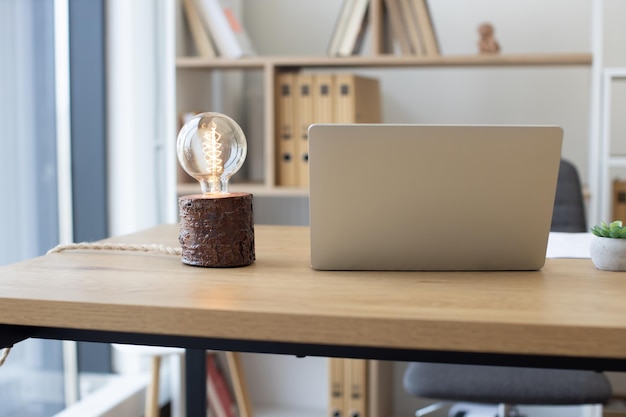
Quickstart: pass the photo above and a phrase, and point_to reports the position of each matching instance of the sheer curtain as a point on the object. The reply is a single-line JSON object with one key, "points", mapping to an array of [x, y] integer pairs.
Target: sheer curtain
{"points": [[37, 210], [31, 381]]}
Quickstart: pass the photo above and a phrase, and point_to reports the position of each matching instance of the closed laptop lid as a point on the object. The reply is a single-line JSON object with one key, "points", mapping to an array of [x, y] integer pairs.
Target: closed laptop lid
{"points": [[431, 197]]}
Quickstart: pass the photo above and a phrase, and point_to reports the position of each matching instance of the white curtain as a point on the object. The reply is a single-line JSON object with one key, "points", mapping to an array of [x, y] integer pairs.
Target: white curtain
{"points": [[28, 212], [31, 381], [34, 124]]}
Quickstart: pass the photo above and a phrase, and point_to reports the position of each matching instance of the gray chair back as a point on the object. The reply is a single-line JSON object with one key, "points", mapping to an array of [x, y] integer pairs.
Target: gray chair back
{"points": [[569, 206]]}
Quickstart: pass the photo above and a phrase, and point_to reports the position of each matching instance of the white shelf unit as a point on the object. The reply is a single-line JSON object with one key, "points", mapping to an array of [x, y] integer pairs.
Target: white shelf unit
{"points": [[601, 157], [607, 160]]}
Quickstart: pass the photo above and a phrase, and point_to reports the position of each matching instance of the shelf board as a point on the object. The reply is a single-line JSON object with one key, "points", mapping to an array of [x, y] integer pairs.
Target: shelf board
{"points": [[260, 190], [221, 63], [617, 161], [296, 62], [615, 72]]}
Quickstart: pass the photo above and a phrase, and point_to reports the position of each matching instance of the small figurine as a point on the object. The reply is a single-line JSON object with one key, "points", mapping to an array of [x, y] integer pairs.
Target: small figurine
{"points": [[487, 43]]}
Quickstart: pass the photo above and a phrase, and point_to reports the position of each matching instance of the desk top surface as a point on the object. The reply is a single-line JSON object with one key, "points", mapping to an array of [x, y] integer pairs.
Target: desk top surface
{"points": [[568, 308]]}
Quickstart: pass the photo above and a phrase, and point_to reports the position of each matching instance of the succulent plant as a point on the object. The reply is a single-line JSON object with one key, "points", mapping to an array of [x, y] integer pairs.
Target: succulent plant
{"points": [[613, 230]]}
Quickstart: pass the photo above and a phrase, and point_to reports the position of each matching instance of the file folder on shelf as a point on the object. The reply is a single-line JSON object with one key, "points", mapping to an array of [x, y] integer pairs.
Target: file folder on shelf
{"points": [[302, 99], [356, 387], [359, 388], [357, 99], [323, 102], [285, 142], [336, 387], [304, 117]]}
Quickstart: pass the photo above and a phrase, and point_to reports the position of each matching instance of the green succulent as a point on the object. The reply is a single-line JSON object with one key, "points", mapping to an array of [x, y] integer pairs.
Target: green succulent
{"points": [[613, 230]]}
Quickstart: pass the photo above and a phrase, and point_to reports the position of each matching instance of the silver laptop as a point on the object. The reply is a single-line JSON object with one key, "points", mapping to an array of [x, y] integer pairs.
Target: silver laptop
{"points": [[429, 197]]}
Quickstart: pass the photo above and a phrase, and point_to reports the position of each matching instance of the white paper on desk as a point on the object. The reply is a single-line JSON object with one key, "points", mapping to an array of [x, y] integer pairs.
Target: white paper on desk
{"points": [[568, 245]]}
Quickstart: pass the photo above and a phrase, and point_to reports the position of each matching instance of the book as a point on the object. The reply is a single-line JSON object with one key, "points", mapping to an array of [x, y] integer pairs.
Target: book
{"points": [[285, 142], [220, 399], [357, 99], [238, 382], [231, 39], [340, 27], [410, 21], [355, 29], [199, 33], [425, 24], [398, 29]]}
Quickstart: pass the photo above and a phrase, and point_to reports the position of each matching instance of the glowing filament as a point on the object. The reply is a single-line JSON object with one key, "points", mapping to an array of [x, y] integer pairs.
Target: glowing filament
{"points": [[212, 150]]}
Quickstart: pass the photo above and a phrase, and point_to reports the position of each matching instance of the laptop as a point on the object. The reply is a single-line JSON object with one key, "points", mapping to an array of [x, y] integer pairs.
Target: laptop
{"points": [[431, 197]]}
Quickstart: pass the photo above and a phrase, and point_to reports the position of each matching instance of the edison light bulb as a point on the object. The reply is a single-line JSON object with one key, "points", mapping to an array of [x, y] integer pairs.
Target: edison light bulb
{"points": [[211, 147]]}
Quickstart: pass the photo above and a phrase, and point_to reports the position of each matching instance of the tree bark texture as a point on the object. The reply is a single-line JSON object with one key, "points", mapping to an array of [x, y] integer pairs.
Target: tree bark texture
{"points": [[217, 230]]}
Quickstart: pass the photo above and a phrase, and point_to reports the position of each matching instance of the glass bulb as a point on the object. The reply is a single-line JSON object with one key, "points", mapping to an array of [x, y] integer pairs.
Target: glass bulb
{"points": [[211, 147]]}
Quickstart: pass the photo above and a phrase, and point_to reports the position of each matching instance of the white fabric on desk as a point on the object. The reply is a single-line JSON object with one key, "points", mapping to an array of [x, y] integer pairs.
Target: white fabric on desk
{"points": [[568, 245]]}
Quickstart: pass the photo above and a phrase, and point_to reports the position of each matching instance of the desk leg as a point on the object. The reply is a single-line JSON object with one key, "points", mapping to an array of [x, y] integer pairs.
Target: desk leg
{"points": [[195, 382]]}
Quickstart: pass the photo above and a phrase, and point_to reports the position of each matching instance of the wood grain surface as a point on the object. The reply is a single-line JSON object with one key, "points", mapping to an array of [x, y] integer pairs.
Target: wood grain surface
{"points": [[568, 308]]}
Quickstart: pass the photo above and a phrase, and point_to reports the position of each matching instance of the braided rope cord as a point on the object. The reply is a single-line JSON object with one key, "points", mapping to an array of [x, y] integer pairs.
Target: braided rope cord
{"points": [[117, 246]]}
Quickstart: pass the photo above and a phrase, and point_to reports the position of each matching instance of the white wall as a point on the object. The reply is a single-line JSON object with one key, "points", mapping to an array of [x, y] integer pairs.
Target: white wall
{"points": [[140, 86]]}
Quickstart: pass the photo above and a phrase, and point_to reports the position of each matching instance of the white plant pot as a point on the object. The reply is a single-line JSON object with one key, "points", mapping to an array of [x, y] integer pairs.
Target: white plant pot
{"points": [[608, 254]]}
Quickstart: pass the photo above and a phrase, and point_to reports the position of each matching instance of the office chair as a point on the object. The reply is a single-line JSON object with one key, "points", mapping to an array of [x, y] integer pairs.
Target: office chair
{"points": [[569, 207], [507, 387]]}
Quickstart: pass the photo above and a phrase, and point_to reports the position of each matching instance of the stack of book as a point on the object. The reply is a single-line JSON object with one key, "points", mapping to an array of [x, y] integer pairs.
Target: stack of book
{"points": [[227, 394], [359, 387], [410, 22], [350, 28], [412, 27], [306, 98], [215, 29]]}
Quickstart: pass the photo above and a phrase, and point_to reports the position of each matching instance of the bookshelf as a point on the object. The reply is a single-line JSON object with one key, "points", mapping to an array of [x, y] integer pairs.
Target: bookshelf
{"points": [[269, 67]]}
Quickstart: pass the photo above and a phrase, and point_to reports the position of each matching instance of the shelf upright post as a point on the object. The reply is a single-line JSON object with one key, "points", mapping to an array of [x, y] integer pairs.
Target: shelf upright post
{"points": [[597, 161], [269, 80]]}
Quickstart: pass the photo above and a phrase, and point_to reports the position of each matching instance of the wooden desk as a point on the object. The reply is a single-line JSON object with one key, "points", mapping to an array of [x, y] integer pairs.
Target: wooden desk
{"points": [[567, 315]]}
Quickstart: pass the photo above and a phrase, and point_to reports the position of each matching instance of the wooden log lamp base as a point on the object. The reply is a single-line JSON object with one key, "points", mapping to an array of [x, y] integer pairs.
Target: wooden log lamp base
{"points": [[216, 230]]}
